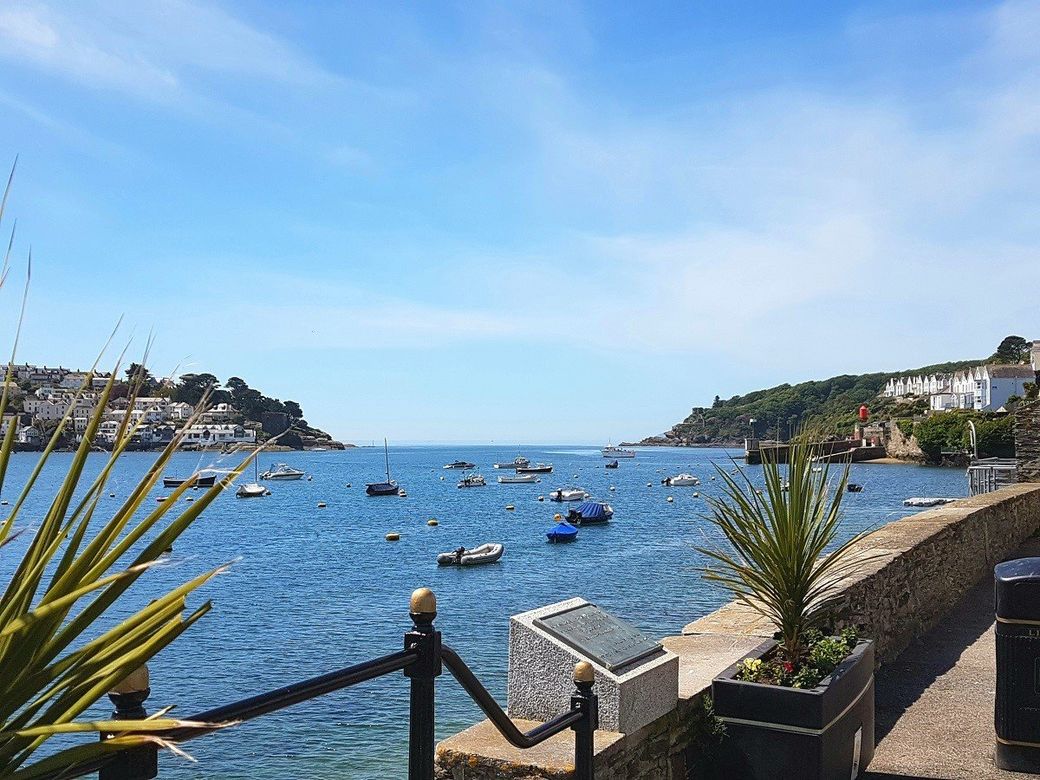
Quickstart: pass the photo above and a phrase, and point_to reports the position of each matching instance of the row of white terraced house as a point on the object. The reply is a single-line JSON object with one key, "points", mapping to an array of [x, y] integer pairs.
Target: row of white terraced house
{"points": [[984, 388]]}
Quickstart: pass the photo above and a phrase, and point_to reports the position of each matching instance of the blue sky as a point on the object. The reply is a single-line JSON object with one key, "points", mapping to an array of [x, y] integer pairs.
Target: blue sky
{"points": [[523, 221]]}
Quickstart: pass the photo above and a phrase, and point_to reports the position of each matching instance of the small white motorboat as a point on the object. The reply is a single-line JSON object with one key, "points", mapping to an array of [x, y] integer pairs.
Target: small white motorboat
{"points": [[485, 553], [282, 471], [472, 480], [681, 480], [520, 479], [568, 494]]}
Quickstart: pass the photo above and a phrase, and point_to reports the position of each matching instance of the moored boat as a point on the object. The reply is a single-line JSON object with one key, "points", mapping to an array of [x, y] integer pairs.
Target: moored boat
{"points": [[562, 532], [204, 478], [282, 471], [472, 480], [612, 465], [681, 480], [460, 464], [590, 513], [538, 468], [518, 462], [520, 479], [388, 488], [485, 553], [568, 494], [252, 490], [617, 452]]}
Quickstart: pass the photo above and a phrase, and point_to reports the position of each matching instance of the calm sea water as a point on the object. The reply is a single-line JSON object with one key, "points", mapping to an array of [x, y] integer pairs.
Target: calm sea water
{"points": [[313, 589]]}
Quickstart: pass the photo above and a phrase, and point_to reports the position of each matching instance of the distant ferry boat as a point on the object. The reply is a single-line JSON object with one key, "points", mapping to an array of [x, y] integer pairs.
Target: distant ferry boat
{"points": [[617, 452]]}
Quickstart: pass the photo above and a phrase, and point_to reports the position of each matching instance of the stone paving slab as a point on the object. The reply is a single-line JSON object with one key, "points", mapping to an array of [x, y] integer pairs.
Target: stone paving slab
{"points": [[934, 703]]}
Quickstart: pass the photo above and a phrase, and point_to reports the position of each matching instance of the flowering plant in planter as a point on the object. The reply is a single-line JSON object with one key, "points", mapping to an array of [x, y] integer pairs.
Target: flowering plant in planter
{"points": [[822, 656], [785, 561], [801, 708]]}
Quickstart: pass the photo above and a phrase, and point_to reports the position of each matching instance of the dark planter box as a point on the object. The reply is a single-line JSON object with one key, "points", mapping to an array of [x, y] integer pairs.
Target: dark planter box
{"points": [[776, 733]]}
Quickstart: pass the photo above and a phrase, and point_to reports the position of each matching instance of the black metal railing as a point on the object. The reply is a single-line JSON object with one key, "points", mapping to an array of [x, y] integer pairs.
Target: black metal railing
{"points": [[421, 660]]}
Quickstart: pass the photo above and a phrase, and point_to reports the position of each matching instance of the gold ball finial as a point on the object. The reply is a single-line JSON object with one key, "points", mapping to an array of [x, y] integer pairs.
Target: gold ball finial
{"points": [[423, 602], [583, 672], [135, 682]]}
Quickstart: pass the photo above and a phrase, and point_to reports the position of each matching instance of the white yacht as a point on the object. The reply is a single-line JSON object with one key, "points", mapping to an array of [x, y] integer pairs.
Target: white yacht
{"points": [[617, 452], [282, 471]]}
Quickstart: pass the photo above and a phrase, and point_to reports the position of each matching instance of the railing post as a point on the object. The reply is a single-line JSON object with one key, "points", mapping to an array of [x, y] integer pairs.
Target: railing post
{"points": [[587, 702], [426, 641], [140, 763]]}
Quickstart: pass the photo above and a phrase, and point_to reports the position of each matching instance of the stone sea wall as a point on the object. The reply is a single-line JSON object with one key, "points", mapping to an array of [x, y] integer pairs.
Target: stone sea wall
{"points": [[1027, 441], [916, 569]]}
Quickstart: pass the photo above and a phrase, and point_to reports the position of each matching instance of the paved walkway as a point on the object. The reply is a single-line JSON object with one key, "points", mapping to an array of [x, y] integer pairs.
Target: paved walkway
{"points": [[934, 704]]}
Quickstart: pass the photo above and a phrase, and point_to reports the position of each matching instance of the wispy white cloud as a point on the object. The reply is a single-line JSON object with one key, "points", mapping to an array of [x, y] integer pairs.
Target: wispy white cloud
{"points": [[152, 50], [798, 210]]}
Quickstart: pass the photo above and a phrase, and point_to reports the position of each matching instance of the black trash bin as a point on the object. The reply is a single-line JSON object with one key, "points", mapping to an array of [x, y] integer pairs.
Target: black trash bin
{"points": [[1017, 714]]}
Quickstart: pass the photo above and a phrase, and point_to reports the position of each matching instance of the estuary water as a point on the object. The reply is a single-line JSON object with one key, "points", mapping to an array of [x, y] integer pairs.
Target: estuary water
{"points": [[312, 590]]}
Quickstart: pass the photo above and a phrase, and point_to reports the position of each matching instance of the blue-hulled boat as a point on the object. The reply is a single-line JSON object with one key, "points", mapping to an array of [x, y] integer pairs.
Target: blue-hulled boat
{"points": [[562, 532], [590, 513]]}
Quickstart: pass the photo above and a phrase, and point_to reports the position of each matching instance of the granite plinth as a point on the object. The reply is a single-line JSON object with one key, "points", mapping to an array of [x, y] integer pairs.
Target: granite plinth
{"points": [[541, 669]]}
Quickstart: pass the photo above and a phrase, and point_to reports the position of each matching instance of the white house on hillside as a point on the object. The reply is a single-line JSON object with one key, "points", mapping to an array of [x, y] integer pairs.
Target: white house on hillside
{"points": [[984, 388], [999, 383], [221, 413]]}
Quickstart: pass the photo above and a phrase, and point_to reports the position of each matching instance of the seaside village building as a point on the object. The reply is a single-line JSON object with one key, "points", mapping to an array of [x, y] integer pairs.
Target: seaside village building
{"points": [[52, 391], [982, 388]]}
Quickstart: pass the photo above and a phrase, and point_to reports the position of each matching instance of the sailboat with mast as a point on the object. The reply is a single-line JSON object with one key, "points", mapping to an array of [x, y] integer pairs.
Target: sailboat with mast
{"points": [[388, 488], [254, 489]]}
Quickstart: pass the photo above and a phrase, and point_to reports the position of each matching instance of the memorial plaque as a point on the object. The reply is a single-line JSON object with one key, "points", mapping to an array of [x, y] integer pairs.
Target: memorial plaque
{"points": [[610, 642]]}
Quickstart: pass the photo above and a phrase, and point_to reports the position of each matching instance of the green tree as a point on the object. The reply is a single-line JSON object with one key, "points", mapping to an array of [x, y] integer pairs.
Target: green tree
{"points": [[996, 436], [293, 410], [1013, 349], [939, 432], [191, 387], [139, 377]]}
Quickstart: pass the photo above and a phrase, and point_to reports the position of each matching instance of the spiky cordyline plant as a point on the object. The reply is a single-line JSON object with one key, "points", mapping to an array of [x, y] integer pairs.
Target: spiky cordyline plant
{"points": [[776, 563], [55, 659]]}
